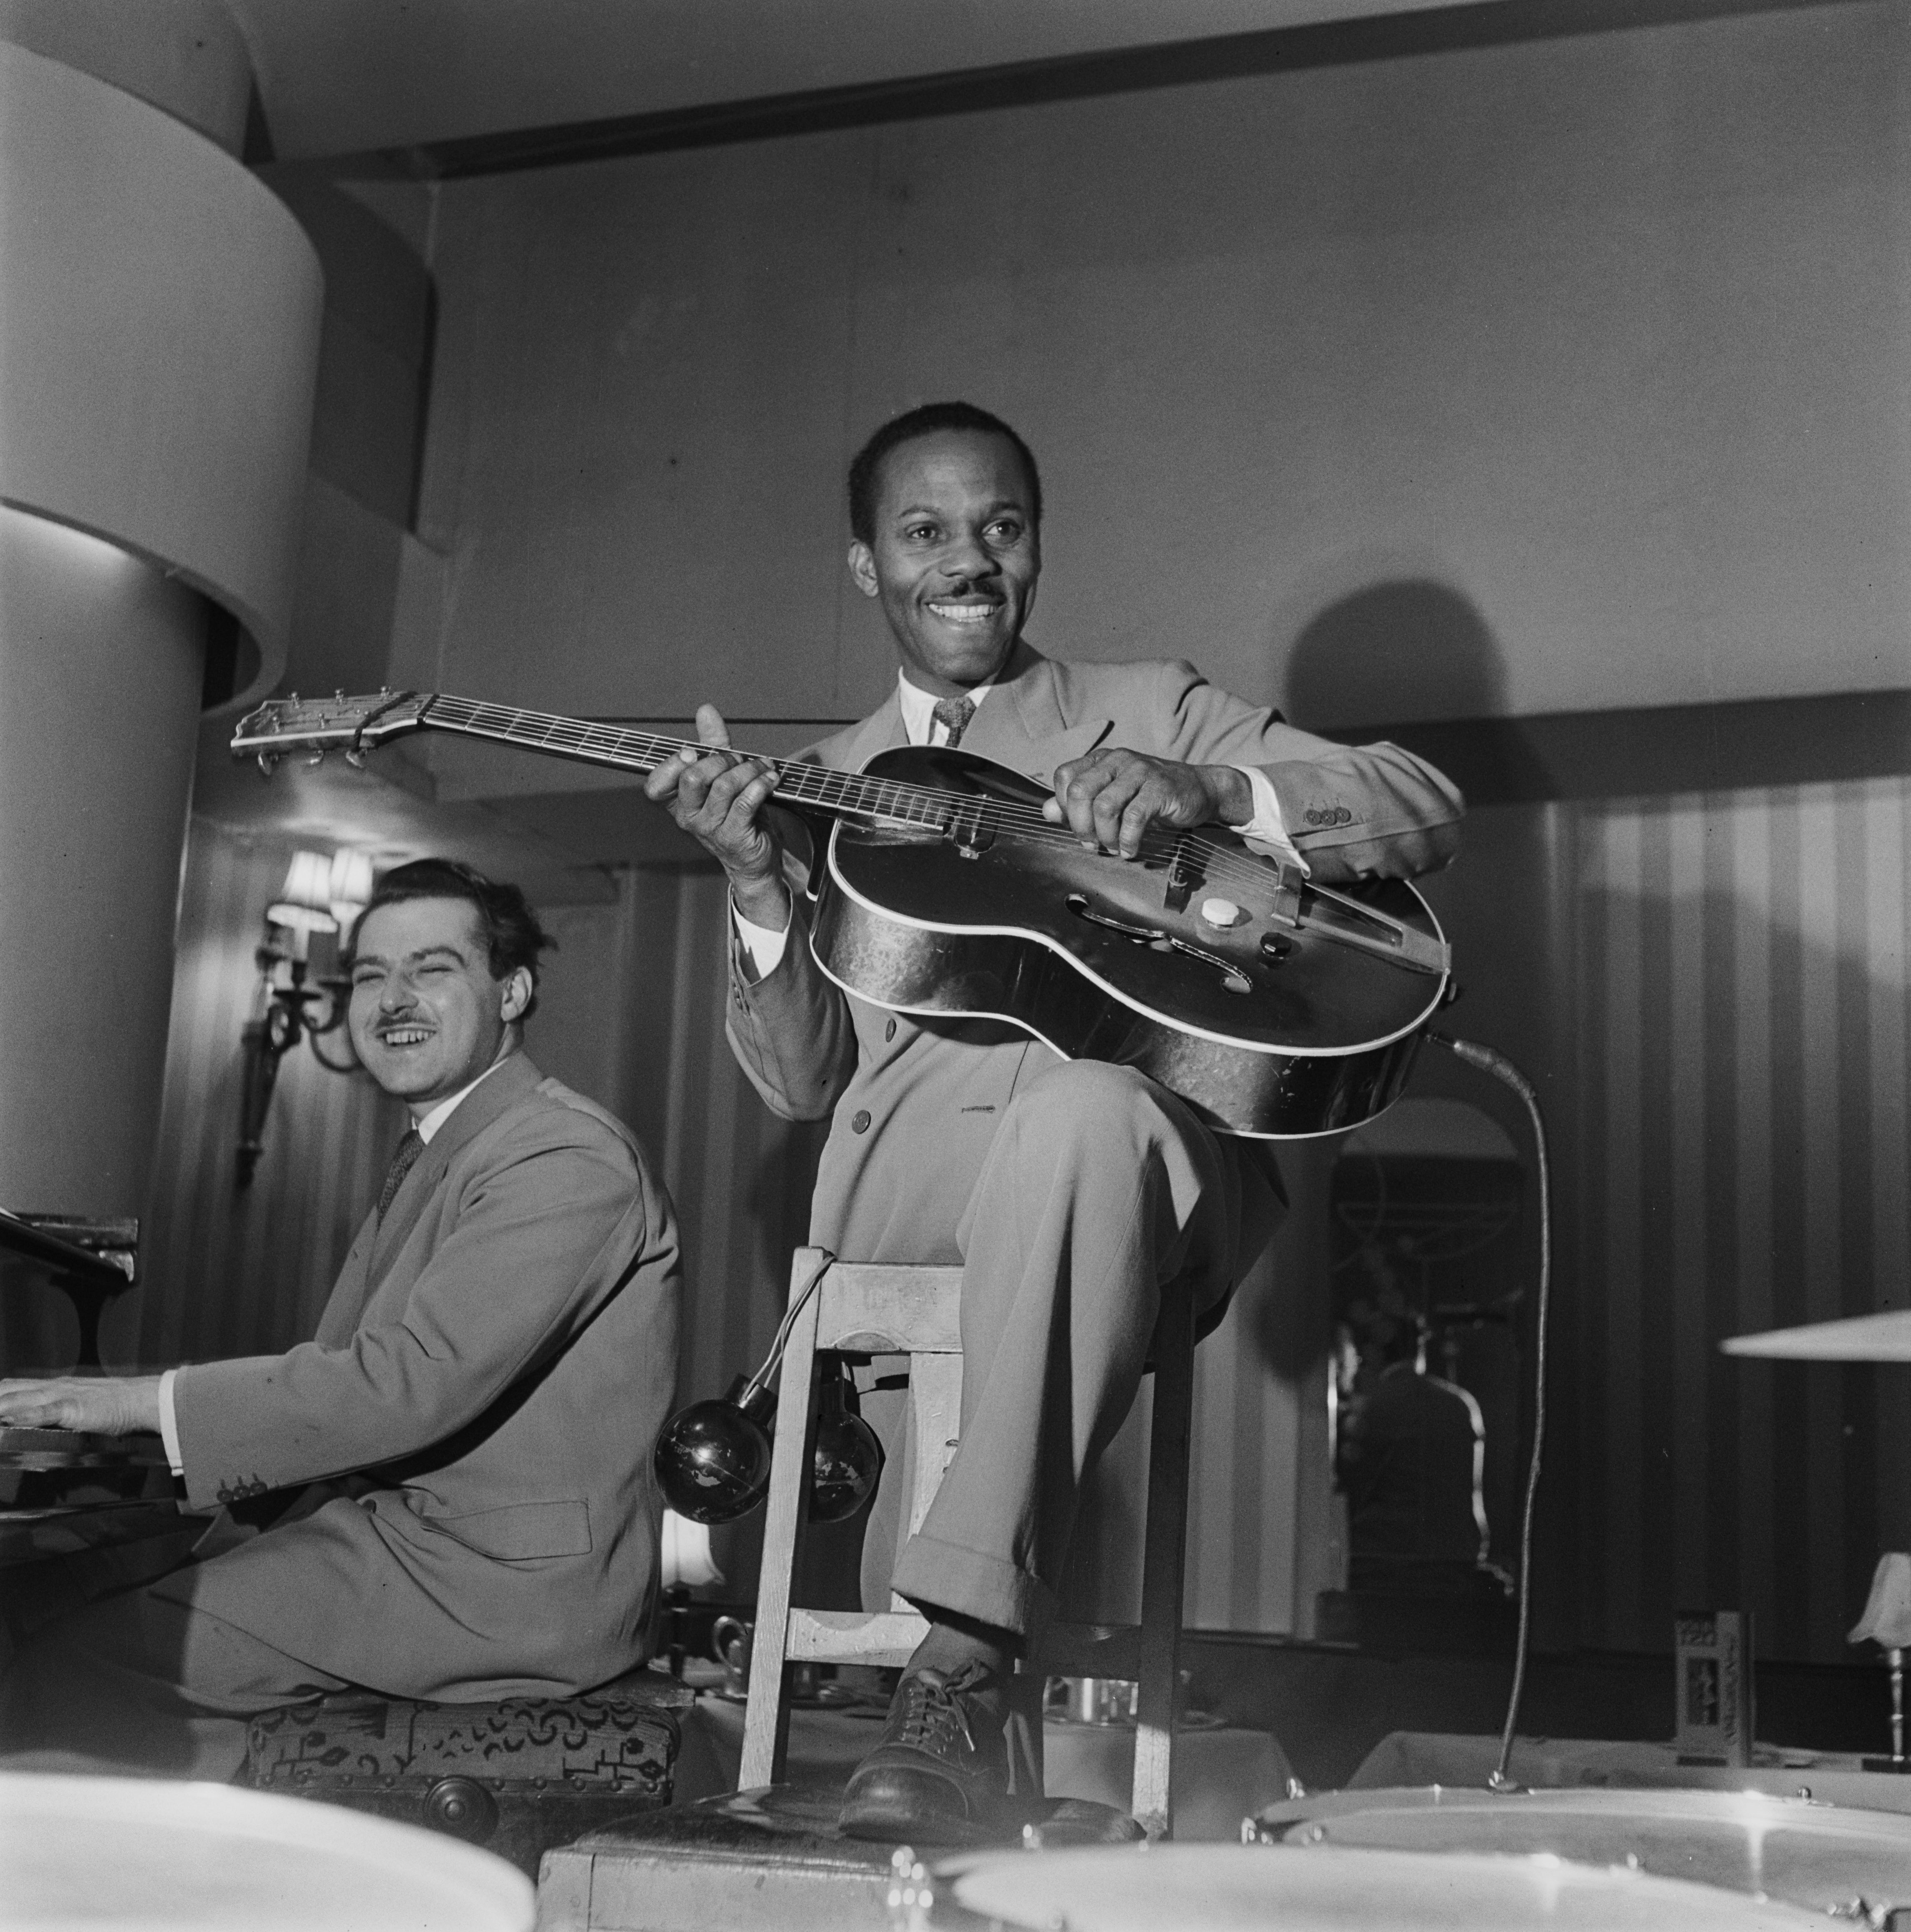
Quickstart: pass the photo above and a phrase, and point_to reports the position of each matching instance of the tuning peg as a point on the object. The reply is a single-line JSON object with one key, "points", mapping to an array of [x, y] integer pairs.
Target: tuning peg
{"points": [[317, 758], [266, 762], [355, 759]]}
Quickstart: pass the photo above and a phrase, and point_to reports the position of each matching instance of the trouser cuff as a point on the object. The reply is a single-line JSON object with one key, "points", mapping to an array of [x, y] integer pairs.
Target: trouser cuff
{"points": [[949, 1576]]}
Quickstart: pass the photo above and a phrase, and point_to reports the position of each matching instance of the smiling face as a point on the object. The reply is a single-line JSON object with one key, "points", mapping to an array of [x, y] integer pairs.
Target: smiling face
{"points": [[954, 558], [427, 1017]]}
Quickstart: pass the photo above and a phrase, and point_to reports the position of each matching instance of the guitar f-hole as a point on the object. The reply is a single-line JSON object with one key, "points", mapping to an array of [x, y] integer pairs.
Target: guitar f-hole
{"points": [[1142, 935], [1233, 979]]}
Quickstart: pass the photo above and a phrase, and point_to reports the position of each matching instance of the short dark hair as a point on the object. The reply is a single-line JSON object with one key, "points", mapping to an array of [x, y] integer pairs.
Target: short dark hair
{"points": [[512, 936], [866, 466]]}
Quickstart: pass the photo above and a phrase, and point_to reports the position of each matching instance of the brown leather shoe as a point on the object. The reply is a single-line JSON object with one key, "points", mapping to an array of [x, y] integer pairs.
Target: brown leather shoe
{"points": [[942, 1773]]}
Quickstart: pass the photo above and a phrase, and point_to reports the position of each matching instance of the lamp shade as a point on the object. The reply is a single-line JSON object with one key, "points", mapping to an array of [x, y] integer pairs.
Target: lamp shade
{"points": [[686, 1552], [1887, 1618], [305, 901], [350, 886]]}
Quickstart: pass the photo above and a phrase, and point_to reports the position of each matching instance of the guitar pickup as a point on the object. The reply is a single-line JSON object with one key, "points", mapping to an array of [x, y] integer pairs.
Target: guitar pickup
{"points": [[970, 833]]}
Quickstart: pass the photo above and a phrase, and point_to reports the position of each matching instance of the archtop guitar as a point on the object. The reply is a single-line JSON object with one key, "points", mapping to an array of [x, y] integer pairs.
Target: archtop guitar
{"points": [[1275, 1007]]}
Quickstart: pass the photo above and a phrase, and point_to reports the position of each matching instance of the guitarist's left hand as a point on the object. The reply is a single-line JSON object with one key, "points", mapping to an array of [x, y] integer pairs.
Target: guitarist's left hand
{"points": [[1110, 798]]}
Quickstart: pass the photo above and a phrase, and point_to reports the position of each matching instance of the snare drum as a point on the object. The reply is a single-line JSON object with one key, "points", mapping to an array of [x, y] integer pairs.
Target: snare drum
{"points": [[1821, 1856], [1253, 1889], [110, 1854]]}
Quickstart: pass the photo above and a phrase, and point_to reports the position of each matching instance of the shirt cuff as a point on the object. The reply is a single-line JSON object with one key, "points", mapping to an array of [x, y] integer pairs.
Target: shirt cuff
{"points": [[1268, 827], [168, 1422], [763, 948]]}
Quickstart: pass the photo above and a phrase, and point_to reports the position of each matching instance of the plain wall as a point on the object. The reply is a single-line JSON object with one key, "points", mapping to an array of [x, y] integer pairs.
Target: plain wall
{"points": [[1546, 376]]}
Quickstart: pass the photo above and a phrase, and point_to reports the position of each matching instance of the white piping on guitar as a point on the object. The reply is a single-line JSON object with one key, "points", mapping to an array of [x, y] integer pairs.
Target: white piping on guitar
{"points": [[1087, 972]]}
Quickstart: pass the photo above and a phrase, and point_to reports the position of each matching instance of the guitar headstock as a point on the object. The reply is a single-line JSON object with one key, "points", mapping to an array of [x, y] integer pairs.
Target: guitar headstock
{"points": [[318, 725]]}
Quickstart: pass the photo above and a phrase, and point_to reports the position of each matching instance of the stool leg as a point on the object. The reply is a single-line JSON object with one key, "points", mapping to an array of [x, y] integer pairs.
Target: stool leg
{"points": [[1164, 1559], [766, 1716], [935, 1424]]}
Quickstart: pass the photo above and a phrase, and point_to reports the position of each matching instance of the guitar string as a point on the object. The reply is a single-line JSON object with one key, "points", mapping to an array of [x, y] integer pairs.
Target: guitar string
{"points": [[889, 798], [886, 798], [804, 782]]}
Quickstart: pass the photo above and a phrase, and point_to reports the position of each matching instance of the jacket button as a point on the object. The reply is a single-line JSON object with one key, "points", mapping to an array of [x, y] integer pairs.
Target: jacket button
{"points": [[860, 1122], [888, 1031], [1343, 816]]}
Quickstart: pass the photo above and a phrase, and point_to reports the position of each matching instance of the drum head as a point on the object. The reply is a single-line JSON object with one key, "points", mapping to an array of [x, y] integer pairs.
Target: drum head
{"points": [[1818, 1856], [1251, 1889], [112, 1854]]}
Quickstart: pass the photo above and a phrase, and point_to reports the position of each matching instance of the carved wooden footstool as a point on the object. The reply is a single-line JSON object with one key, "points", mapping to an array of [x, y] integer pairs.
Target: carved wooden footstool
{"points": [[516, 1777]]}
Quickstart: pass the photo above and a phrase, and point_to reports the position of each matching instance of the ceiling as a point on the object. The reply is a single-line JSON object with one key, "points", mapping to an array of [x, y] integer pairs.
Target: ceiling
{"points": [[339, 77]]}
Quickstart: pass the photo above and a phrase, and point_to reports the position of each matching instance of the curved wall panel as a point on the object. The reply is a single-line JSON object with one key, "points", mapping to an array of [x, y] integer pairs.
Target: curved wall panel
{"points": [[159, 330], [185, 56], [100, 662]]}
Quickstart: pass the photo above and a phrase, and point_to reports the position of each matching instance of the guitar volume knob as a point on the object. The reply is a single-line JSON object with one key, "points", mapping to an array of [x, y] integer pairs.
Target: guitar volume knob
{"points": [[1220, 912]]}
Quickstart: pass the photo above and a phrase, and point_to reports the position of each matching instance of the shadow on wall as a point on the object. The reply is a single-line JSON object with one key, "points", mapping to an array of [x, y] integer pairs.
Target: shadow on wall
{"points": [[1395, 653], [1414, 652]]}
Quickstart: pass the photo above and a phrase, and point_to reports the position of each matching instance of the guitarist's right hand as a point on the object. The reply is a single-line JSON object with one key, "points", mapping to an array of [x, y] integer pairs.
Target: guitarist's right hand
{"points": [[718, 796]]}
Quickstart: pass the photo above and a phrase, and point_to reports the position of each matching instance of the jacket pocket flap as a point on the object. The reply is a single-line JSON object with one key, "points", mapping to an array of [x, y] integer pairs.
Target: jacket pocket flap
{"points": [[520, 1530]]}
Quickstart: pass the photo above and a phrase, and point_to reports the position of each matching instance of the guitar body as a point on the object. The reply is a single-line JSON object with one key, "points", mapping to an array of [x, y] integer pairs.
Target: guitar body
{"points": [[1266, 1028]]}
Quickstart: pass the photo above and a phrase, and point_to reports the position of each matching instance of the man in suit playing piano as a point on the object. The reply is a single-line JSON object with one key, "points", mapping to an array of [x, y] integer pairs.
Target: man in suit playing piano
{"points": [[455, 1472], [1070, 1193]]}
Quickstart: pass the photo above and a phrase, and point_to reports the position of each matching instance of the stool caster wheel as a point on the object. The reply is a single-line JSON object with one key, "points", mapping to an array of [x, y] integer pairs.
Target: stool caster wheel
{"points": [[462, 1808]]}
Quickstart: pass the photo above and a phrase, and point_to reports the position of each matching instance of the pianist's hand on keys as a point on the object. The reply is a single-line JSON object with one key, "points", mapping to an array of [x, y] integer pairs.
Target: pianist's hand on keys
{"points": [[102, 1405]]}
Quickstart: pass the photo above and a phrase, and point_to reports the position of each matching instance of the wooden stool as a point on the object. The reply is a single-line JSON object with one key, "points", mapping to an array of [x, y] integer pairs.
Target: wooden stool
{"points": [[862, 1309]]}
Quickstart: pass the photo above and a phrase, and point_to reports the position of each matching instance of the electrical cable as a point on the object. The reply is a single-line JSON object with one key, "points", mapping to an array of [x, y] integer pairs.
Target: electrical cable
{"points": [[1503, 1070], [760, 1380]]}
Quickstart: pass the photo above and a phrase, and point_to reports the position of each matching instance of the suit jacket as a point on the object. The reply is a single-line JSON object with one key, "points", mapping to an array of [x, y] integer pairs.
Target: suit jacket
{"points": [[916, 1101], [495, 1362]]}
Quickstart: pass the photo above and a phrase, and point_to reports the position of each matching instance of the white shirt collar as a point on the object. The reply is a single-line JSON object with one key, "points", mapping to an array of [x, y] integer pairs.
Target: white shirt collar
{"points": [[918, 708], [440, 1114]]}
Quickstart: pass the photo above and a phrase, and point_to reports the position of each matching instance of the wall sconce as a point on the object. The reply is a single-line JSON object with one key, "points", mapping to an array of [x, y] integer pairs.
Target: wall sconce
{"points": [[299, 975]]}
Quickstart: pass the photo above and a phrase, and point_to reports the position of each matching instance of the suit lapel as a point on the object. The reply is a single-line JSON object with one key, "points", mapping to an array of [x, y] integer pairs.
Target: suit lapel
{"points": [[490, 1097], [882, 731], [1022, 724]]}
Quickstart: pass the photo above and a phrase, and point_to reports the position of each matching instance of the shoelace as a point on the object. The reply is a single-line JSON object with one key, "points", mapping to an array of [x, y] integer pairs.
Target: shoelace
{"points": [[932, 1704]]}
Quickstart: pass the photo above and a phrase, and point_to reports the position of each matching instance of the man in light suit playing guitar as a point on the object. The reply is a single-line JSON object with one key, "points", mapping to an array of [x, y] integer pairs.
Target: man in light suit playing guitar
{"points": [[1072, 1193]]}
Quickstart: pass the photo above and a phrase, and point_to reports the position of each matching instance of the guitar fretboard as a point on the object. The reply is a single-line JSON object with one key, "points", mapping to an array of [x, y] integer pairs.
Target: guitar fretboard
{"points": [[839, 794]]}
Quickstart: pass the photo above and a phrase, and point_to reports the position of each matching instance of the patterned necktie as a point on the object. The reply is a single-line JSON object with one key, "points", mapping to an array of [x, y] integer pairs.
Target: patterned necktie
{"points": [[409, 1148], [953, 715]]}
